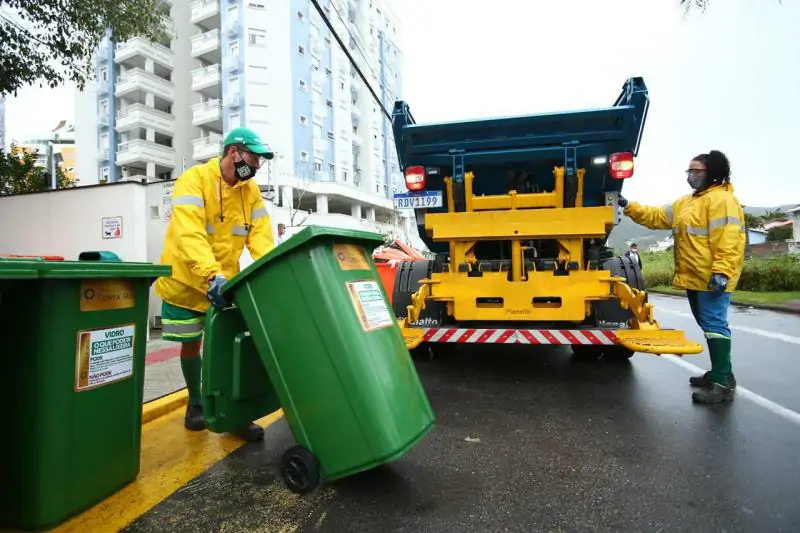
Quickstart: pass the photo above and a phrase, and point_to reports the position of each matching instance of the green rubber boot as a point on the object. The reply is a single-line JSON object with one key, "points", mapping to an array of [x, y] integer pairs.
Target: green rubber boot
{"points": [[721, 383]]}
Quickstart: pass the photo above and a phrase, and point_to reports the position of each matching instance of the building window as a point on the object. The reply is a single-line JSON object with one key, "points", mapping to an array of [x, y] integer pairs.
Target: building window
{"points": [[105, 172], [329, 103], [301, 50], [328, 72], [304, 157], [300, 15], [257, 37], [318, 165], [344, 176], [234, 120], [331, 137], [256, 4], [303, 120], [103, 74], [103, 111], [233, 49], [341, 83], [302, 85], [332, 171]]}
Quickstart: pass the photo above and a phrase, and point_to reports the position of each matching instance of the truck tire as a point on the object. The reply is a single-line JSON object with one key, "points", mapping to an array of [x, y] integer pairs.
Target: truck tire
{"points": [[609, 314]]}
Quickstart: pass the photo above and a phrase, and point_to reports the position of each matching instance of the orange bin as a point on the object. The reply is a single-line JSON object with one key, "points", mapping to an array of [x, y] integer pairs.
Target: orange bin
{"points": [[388, 273]]}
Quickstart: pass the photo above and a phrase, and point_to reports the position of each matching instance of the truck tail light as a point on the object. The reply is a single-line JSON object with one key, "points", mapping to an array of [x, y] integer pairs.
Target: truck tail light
{"points": [[415, 178], [621, 165]]}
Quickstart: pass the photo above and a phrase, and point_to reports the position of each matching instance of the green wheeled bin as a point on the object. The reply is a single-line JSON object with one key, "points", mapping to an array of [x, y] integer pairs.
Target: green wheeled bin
{"points": [[319, 320], [72, 365]]}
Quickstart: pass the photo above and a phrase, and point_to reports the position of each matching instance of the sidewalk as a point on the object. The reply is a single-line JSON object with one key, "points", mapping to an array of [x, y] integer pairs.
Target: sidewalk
{"points": [[162, 373]]}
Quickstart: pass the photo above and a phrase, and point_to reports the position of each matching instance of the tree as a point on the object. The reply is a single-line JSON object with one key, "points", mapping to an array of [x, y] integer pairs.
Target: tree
{"points": [[52, 41], [19, 173]]}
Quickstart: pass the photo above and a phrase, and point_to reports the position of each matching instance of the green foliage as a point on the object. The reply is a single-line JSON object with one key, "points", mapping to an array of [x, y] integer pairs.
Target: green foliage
{"points": [[52, 41], [780, 234], [760, 274], [20, 174]]}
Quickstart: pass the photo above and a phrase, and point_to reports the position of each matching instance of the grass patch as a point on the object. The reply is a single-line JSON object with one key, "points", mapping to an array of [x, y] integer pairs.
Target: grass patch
{"points": [[745, 297]]}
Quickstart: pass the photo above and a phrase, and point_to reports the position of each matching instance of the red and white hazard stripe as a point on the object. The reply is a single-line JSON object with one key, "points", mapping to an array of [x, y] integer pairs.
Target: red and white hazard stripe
{"points": [[521, 336]]}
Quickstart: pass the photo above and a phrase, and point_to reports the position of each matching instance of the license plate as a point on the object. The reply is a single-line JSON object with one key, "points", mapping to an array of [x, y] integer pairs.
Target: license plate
{"points": [[418, 200]]}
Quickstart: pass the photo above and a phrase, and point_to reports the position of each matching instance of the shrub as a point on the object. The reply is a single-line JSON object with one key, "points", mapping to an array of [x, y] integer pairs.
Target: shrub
{"points": [[760, 274]]}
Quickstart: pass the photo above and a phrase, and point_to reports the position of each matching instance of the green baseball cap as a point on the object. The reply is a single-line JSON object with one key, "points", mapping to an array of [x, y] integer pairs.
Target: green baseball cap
{"points": [[250, 140]]}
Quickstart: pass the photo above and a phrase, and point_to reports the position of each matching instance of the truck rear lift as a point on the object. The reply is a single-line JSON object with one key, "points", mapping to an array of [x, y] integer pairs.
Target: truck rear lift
{"points": [[518, 211]]}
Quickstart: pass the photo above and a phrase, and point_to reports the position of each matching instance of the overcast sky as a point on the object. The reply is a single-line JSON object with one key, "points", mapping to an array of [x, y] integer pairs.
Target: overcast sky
{"points": [[726, 80]]}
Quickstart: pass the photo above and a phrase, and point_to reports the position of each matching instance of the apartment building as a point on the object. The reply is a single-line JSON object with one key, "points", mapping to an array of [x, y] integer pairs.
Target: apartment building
{"points": [[273, 66]]}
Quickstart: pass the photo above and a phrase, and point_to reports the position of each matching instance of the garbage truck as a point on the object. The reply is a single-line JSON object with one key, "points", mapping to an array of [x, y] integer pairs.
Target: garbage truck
{"points": [[518, 211]]}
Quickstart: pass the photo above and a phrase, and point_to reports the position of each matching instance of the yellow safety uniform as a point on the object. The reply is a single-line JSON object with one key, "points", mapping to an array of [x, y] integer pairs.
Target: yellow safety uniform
{"points": [[211, 223], [709, 232]]}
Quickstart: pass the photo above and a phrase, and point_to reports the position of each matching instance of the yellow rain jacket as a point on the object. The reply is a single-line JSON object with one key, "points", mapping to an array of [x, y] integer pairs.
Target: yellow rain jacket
{"points": [[709, 233], [208, 232]]}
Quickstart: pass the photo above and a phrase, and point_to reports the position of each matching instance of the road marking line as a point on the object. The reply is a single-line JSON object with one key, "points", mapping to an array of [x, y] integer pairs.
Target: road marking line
{"points": [[746, 329], [784, 412]]}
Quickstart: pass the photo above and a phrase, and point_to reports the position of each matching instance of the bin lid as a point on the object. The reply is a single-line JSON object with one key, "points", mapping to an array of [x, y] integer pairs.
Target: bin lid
{"points": [[33, 269], [301, 238]]}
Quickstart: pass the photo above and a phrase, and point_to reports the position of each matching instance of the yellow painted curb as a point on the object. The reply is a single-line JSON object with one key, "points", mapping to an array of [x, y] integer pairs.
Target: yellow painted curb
{"points": [[163, 406]]}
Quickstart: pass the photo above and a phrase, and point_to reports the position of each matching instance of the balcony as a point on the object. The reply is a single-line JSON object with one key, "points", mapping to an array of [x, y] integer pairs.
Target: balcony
{"points": [[135, 52], [207, 81], [206, 46], [142, 116], [208, 114], [205, 148], [205, 13], [136, 82], [141, 151]]}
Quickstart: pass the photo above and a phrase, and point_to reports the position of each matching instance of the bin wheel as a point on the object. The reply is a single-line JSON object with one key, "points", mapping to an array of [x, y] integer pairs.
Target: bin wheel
{"points": [[300, 470]]}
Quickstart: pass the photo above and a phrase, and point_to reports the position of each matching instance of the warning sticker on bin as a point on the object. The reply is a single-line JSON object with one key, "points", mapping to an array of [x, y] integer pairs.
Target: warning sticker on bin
{"points": [[370, 305], [107, 294], [104, 356], [350, 257]]}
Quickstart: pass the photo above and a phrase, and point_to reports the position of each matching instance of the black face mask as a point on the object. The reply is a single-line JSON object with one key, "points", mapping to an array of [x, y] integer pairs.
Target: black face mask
{"points": [[243, 170]]}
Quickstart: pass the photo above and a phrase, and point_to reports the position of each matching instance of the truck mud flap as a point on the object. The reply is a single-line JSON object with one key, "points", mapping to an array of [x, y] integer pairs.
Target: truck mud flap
{"points": [[609, 313], [658, 342], [409, 274]]}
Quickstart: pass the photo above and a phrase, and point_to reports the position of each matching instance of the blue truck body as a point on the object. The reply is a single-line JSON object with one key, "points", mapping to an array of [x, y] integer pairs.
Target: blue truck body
{"points": [[520, 152]]}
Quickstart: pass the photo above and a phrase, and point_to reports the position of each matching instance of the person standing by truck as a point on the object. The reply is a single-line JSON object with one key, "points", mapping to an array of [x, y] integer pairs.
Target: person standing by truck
{"points": [[708, 226], [217, 210]]}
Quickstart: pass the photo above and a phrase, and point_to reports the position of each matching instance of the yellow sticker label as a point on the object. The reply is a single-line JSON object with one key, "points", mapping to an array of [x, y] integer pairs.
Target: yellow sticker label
{"points": [[106, 294], [350, 257], [370, 305]]}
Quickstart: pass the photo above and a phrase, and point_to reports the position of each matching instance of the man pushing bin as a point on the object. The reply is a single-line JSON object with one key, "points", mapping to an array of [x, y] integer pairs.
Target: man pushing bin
{"points": [[217, 210]]}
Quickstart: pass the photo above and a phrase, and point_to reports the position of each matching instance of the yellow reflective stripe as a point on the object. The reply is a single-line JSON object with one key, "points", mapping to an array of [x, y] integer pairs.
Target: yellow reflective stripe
{"points": [[258, 213], [693, 230], [196, 201], [670, 215], [182, 327], [241, 231], [709, 335], [210, 229], [723, 221], [170, 335]]}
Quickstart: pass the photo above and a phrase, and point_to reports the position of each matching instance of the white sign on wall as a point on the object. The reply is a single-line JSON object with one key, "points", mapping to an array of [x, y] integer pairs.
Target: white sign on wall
{"points": [[167, 201], [112, 227]]}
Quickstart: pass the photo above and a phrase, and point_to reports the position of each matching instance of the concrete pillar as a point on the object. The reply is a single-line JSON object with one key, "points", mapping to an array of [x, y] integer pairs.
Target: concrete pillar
{"points": [[371, 214], [150, 135], [322, 204], [355, 211], [149, 65], [151, 169], [287, 197], [150, 100]]}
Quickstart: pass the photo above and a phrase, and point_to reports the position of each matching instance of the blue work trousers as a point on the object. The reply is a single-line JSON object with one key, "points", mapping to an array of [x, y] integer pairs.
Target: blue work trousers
{"points": [[710, 310]]}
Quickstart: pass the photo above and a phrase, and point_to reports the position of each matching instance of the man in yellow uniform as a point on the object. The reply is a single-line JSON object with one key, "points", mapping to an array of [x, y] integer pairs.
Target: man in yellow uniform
{"points": [[217, 210]]}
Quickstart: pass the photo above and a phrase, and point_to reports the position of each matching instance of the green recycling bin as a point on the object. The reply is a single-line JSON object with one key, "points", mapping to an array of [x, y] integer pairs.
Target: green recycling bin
{"points": [[74, 344], [319, 320]]}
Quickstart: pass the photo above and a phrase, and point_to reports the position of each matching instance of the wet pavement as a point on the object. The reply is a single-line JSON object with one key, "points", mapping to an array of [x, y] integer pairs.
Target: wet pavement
{"points": [[529, 440]]}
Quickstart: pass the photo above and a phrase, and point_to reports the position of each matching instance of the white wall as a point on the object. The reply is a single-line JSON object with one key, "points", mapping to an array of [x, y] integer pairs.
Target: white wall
{"points": [[69, 221]]}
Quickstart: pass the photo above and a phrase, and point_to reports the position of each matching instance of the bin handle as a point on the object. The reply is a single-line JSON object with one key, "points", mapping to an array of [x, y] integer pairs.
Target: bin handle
{"points": [[100, 255]]}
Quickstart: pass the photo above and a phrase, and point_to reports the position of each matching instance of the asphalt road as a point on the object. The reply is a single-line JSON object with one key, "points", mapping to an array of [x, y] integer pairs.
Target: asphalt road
{"points": [[532, 441]]}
